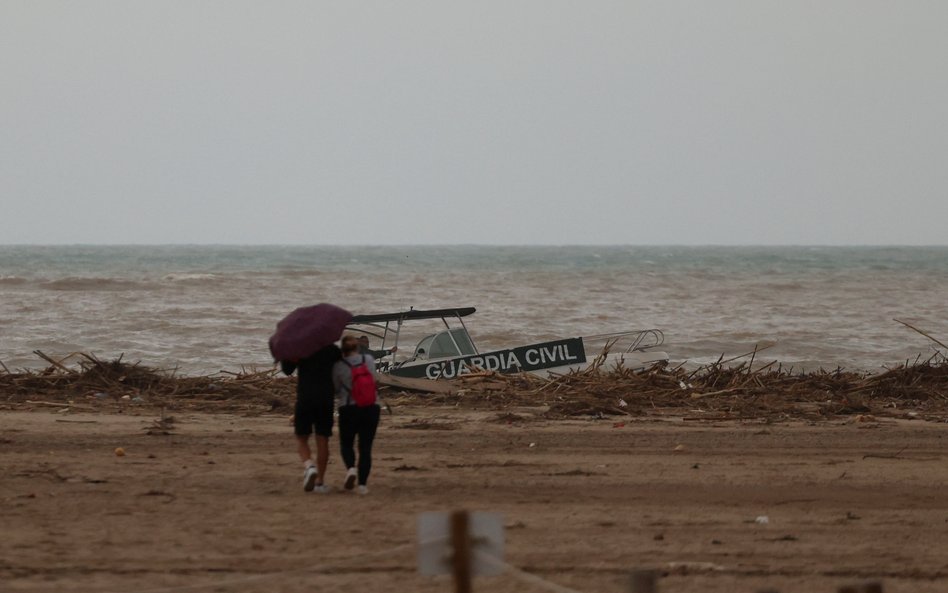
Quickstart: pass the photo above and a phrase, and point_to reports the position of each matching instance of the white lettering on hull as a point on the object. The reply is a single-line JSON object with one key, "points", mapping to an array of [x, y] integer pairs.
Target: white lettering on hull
{"points": [[557, 354], [504, 362]]}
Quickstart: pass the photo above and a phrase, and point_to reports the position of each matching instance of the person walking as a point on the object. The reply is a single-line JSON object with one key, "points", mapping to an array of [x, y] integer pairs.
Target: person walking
{"points": [[355, 379], [314, 412]]}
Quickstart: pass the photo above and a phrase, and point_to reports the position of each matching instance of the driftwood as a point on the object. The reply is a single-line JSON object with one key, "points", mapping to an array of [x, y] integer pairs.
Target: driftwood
{"points": [[94, 384], [927, 335], [726, 389]]}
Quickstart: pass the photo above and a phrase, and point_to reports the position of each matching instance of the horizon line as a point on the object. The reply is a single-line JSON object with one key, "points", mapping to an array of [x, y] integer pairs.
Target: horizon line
{"points": [[523, 245]]}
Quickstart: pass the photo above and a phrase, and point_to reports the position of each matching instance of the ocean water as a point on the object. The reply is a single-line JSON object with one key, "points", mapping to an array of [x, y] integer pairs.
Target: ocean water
{"points": [[204, 309]]}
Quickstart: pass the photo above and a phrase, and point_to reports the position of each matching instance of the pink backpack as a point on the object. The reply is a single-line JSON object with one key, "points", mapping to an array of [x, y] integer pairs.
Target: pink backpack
{"points": [[363, 384]]}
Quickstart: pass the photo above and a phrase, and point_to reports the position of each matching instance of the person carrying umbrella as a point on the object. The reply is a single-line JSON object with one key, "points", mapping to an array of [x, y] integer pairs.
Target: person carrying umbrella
{"points": [[314, 412], [304, 343]]}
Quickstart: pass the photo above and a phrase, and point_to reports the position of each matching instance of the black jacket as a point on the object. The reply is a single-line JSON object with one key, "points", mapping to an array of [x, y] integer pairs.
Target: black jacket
{"points": [[314, 372]]}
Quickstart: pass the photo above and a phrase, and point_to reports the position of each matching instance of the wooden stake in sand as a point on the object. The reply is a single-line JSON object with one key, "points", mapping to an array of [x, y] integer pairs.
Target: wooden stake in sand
{"points": [[461, 542]]}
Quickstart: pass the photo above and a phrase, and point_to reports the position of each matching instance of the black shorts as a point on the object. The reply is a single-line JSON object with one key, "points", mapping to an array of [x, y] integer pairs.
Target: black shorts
{"points": [[313, 413]]}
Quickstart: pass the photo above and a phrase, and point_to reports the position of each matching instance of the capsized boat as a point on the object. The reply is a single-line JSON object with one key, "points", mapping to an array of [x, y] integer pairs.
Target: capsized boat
{"points": [[450, 351]]}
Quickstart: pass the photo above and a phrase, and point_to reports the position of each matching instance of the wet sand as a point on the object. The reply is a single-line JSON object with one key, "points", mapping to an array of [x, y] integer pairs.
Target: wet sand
{"points": [[218, 506]]}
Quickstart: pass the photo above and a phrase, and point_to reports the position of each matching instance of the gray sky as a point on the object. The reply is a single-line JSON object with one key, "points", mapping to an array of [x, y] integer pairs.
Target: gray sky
{"points": [[492, 122]]}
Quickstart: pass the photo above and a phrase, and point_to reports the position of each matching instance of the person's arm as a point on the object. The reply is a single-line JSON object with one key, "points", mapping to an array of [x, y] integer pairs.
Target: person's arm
{"points": [[288, 367], [370, 363], [381, 353]]}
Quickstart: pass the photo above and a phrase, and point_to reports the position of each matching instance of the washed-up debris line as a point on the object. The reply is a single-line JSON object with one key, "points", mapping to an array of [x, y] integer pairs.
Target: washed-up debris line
{"points": [[82, 381], [720, 391]]}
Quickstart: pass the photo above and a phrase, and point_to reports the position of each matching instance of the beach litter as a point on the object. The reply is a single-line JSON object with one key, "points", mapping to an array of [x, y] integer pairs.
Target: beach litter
{"points": [[725, 390]]}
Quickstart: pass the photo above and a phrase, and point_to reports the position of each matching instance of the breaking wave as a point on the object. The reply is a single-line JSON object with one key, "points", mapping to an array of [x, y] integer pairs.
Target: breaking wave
{"points": [[93, 284], [189, 277]]}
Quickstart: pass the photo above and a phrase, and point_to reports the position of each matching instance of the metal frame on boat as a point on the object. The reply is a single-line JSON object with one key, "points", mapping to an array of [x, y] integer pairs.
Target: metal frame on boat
{"points": [[451, 352]]}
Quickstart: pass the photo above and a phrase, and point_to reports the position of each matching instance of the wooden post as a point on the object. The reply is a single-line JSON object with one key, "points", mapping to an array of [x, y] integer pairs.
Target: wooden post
{"points": [[461, 541], [643, 581]]}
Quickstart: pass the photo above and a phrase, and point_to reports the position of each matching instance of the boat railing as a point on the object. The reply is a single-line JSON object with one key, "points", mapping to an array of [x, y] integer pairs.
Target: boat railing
{"points": [[630, 341]]}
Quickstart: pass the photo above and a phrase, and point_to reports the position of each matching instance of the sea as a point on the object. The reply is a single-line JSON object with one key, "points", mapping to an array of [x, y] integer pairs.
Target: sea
{"points": [[201, 310]]}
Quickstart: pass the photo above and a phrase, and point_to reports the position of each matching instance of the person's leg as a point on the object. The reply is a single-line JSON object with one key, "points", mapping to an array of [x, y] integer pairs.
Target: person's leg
{"points": [[368, 425], [303, 427], [310, 473], [347, 435], [322, 457], [302, 447], [323, 421]]}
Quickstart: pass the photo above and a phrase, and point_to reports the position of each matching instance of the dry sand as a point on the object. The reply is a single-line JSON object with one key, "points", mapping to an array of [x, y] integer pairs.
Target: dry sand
{"points": [[218, 504]]}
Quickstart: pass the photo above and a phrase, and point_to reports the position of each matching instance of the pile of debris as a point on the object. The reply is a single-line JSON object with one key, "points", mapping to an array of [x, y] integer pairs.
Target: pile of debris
{"points": [[738, 392], [115, 384], [723, 390]]}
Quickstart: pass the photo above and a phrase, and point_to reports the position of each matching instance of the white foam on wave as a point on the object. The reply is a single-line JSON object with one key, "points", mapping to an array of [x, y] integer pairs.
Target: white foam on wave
{"points": [[76, 283], [189, 277]]}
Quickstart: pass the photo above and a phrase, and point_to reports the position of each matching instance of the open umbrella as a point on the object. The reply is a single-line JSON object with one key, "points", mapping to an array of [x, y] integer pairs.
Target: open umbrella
{"points": [[307, 330]]}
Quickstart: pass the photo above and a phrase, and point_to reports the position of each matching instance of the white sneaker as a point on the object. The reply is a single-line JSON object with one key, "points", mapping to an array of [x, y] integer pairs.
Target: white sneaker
{"points": [[322, 489], [363, 489], [309, 478], [351, 476]]}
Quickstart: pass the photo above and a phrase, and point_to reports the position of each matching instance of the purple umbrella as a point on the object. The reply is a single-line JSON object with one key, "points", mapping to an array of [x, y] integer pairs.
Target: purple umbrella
{"points": [[307, 330]]}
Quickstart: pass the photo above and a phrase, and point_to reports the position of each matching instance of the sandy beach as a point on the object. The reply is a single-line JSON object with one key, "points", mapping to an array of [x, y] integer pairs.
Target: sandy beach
{"points": [[213, 502]]}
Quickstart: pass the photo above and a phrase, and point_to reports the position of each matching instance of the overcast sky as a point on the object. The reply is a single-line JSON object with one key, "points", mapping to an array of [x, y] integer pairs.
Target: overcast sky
{"points": [[489, 122]]}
